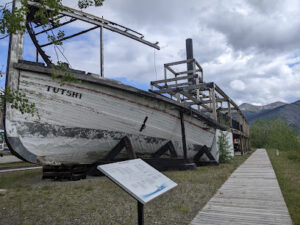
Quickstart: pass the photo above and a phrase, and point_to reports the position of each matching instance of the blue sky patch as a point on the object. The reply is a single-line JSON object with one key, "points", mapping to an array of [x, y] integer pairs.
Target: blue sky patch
{"points": [[293, 64]]}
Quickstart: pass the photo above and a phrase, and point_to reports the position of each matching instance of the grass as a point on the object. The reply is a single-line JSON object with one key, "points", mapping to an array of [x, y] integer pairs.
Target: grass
{"points": [[97, 200], [287, 169], [16, 164]]}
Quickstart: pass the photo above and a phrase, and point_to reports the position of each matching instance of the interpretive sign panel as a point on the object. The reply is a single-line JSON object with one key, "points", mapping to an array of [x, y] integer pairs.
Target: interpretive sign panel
{"points": [[138, 178]]}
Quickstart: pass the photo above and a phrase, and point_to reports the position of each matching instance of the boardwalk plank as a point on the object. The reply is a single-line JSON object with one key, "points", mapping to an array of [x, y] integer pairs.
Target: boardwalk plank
{"points": [[250, 196]]}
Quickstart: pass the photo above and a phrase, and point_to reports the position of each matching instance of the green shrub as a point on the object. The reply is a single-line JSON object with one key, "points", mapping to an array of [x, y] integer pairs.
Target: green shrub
{"points": [[224, 154], [273, 134]]}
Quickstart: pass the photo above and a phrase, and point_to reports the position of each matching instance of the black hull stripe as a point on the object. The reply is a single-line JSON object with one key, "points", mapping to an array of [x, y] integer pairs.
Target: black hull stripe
{"points": [[43, 130]]}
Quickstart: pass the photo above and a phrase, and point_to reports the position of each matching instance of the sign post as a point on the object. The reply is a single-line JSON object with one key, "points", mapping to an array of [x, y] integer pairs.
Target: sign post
{"points": [[140, 180], [140, 213]]}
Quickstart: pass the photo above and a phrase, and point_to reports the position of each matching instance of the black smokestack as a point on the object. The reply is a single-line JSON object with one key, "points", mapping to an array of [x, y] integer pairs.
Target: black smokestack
{"points": [[189, 55]]}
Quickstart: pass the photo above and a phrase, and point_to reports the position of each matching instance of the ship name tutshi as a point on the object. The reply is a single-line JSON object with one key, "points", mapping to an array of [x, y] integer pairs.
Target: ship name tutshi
{"points": [[63, 91]]}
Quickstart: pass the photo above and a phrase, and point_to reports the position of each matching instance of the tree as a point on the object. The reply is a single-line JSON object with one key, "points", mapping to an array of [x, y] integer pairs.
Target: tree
{"points": [[274, 133], [12, 21], [223, 144]]}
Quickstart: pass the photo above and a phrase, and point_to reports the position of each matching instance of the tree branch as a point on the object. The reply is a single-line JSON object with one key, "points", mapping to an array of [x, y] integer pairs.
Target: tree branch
{"points": [[5, 36]]}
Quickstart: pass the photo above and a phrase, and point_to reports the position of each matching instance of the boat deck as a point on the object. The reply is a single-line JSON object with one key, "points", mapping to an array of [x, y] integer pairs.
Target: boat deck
{"points": [[251, 195]]}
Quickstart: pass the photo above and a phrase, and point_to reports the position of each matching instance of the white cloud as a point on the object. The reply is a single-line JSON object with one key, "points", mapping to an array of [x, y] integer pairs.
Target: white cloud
{"points": [[237, 85], [246, 46]]}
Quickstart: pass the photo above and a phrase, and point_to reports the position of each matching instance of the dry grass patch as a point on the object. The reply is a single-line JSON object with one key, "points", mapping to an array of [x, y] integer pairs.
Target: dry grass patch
{"points": [[97, 200]]}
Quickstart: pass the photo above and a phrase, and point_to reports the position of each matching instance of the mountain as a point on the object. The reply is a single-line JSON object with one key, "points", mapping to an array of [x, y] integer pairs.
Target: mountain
{"points": [[251, 111], [290, 112], [249, 107]]}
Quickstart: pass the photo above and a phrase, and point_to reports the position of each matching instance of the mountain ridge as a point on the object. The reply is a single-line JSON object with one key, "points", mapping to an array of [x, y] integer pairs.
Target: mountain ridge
{"points": [[247, 106], [288, 111]]}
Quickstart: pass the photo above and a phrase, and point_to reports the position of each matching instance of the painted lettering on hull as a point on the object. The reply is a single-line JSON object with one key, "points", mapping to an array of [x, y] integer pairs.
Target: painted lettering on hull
{"points": [[63, 91]]}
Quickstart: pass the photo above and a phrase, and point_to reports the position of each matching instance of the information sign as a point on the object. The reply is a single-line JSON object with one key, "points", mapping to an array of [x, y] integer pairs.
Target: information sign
{"points": [[138, 178]]}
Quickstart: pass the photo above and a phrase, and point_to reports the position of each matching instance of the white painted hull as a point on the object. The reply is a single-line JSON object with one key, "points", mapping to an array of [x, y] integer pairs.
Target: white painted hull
{"points": [[81, 123]]}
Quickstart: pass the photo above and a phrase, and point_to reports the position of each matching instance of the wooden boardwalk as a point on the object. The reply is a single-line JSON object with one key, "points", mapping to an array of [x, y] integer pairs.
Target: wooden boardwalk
{"points": [[251, 195]]}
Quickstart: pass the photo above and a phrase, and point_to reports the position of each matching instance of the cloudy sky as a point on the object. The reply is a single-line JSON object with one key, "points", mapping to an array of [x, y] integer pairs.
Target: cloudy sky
{"points": [[251, 49]]}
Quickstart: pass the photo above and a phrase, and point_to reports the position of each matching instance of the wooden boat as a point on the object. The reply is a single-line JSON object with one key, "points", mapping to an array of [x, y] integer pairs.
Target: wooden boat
{"points": [[80, 123]]}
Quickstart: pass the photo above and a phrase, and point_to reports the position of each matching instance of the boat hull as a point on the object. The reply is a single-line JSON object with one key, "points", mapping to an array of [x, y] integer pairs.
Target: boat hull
{"points": [[81, 123]]}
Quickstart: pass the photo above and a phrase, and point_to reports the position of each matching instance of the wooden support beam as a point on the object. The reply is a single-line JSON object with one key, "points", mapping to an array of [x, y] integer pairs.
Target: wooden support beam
{"points": [[38, 47], [221, 92], [177, 85], [192, 98], [183, 137], [171, 70], [197, 92], [239, 119], [36, 55], [179, 62], [202, 86], [178, 97], [229, 113], [156, 85], [71, 36], [188, 71], [210, 101], [189, 97], [54, 27], [213, 103], [201, 77], [203, 95], [198, 65], [173, 79], [51, 21]]}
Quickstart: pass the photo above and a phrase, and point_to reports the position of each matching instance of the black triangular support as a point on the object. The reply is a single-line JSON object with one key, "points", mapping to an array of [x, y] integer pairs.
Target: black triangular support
{"points": [[124, 143], [204, 150], [111, 155], [163, 149]]}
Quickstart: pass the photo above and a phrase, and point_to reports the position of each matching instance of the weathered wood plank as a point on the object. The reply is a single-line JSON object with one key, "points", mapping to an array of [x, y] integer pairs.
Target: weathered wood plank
{"points": [[179, 62], [202, 86], [173, 79], [188, 71], [251, 195]]}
